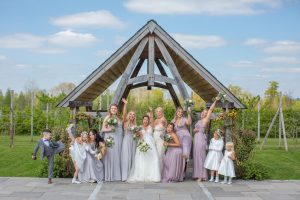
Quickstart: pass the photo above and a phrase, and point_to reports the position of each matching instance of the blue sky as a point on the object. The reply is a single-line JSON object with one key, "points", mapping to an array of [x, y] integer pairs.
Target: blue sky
{"points": [[242, 42]]}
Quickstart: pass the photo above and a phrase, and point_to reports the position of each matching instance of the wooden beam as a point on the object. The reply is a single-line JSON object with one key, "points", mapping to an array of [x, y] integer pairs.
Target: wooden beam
{"points": [[73, 104], [137, 68], [128, 71], [151, 57], [169, 86], [173, 68], [144, 84], [157, 77]]}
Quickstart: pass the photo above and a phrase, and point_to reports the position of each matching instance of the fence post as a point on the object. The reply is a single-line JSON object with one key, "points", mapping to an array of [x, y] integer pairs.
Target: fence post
{"points": [[32, 110], [11, 127]]}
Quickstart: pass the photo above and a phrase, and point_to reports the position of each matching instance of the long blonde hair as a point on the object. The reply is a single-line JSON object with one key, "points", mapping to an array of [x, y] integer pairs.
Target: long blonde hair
{"points": [[128, 120]]}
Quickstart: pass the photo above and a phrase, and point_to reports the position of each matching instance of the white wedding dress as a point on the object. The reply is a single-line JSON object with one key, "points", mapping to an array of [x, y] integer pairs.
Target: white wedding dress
{"points": [[146, 165], [159, 131]]}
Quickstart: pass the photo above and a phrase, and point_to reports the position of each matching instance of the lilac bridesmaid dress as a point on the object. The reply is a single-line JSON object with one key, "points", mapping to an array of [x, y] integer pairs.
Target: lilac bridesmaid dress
{"points": [[184, 137], [199, 152], [173, 165]]}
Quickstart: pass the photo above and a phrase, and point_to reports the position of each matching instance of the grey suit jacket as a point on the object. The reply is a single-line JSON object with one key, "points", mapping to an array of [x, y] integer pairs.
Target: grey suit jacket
{"points": [[45, 150]]}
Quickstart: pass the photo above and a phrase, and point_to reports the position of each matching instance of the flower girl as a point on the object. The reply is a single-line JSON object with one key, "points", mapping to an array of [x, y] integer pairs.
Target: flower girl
{"points": [[77, 152], [214, 156], [227, 167]]}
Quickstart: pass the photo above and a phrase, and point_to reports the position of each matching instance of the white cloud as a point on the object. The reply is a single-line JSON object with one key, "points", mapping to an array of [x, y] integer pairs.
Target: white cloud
{"points": [[286, 46], [45, 50], [282, 60], [70, 38], [21, 40], [204, 7], [255, 42], [47, 44], [3, 57], [101, 18], [244, 64], [199, 41], [281, 69]]}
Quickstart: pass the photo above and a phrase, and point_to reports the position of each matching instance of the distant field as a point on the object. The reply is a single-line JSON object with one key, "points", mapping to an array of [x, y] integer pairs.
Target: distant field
{"points": [[17, 161]]}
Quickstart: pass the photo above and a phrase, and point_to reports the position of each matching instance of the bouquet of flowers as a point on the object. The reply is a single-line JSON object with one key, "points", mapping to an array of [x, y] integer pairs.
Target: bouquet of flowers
{"points": [[167, 137], [98, 156], [135, 130], [110, 141], [112, 122], [222, 97], [143, 146], [189, 103]]}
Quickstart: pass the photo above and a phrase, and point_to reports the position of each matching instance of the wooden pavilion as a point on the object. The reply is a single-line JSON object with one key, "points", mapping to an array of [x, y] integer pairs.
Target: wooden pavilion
{"points": [[151, 44]]}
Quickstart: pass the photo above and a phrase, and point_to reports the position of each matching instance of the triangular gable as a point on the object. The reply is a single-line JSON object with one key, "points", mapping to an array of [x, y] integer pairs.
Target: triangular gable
{"points": [[202, 81]]}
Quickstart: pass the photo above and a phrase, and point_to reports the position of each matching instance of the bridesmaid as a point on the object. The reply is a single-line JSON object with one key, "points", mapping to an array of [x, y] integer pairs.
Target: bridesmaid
{"points": [[200, 144], [112, 159], [182, 131], [173, 161], [159, 130], [129, 144], [93, 168]]}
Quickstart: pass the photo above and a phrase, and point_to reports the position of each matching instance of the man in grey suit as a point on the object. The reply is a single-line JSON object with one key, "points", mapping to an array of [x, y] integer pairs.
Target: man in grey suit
{"points": [[48, 149]]}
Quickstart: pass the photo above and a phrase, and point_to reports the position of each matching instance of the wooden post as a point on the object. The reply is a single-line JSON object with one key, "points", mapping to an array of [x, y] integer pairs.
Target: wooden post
{"points": [[47, 115], [258, 121], [243, 119], [11, 127], [228, 126], [107, 100], [279, 132], [32, 113], [282, 123], [269, 130]]}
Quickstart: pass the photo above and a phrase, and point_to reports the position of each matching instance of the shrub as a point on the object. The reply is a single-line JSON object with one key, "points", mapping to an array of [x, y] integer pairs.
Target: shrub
{"points": [[254, 170], [244, 141]]}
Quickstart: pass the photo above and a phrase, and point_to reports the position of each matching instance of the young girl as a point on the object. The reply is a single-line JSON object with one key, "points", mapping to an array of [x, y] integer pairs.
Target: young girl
{"points": [[214, 156], [227, 167], [77, 152]]}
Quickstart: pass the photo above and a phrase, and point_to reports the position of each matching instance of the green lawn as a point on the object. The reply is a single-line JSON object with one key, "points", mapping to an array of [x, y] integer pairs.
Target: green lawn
{"points": [[282, 165], [17, 161]]}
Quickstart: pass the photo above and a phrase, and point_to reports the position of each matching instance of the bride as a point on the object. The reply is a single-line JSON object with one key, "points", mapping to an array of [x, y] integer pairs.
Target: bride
{"points": [[146, 167]]}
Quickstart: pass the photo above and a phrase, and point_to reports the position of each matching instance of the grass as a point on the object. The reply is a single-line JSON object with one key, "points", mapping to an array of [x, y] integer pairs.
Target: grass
{"points": [[282, 165], [17, 161]]}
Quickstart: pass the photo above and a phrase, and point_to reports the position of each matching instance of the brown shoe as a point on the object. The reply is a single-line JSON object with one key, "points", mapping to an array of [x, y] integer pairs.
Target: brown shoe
{"points": [[49, 181]]}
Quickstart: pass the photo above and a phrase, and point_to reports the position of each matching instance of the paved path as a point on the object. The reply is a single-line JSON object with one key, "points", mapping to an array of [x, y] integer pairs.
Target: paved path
{"points": [[37, 188]]}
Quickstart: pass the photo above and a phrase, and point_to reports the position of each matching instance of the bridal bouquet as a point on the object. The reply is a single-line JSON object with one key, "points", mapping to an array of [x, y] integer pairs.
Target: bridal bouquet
{"points": [[99, 156], [222, 97], [110, 141], [143, 146], [112, 122], [167, 137], [189, 103], [135, 130]]}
